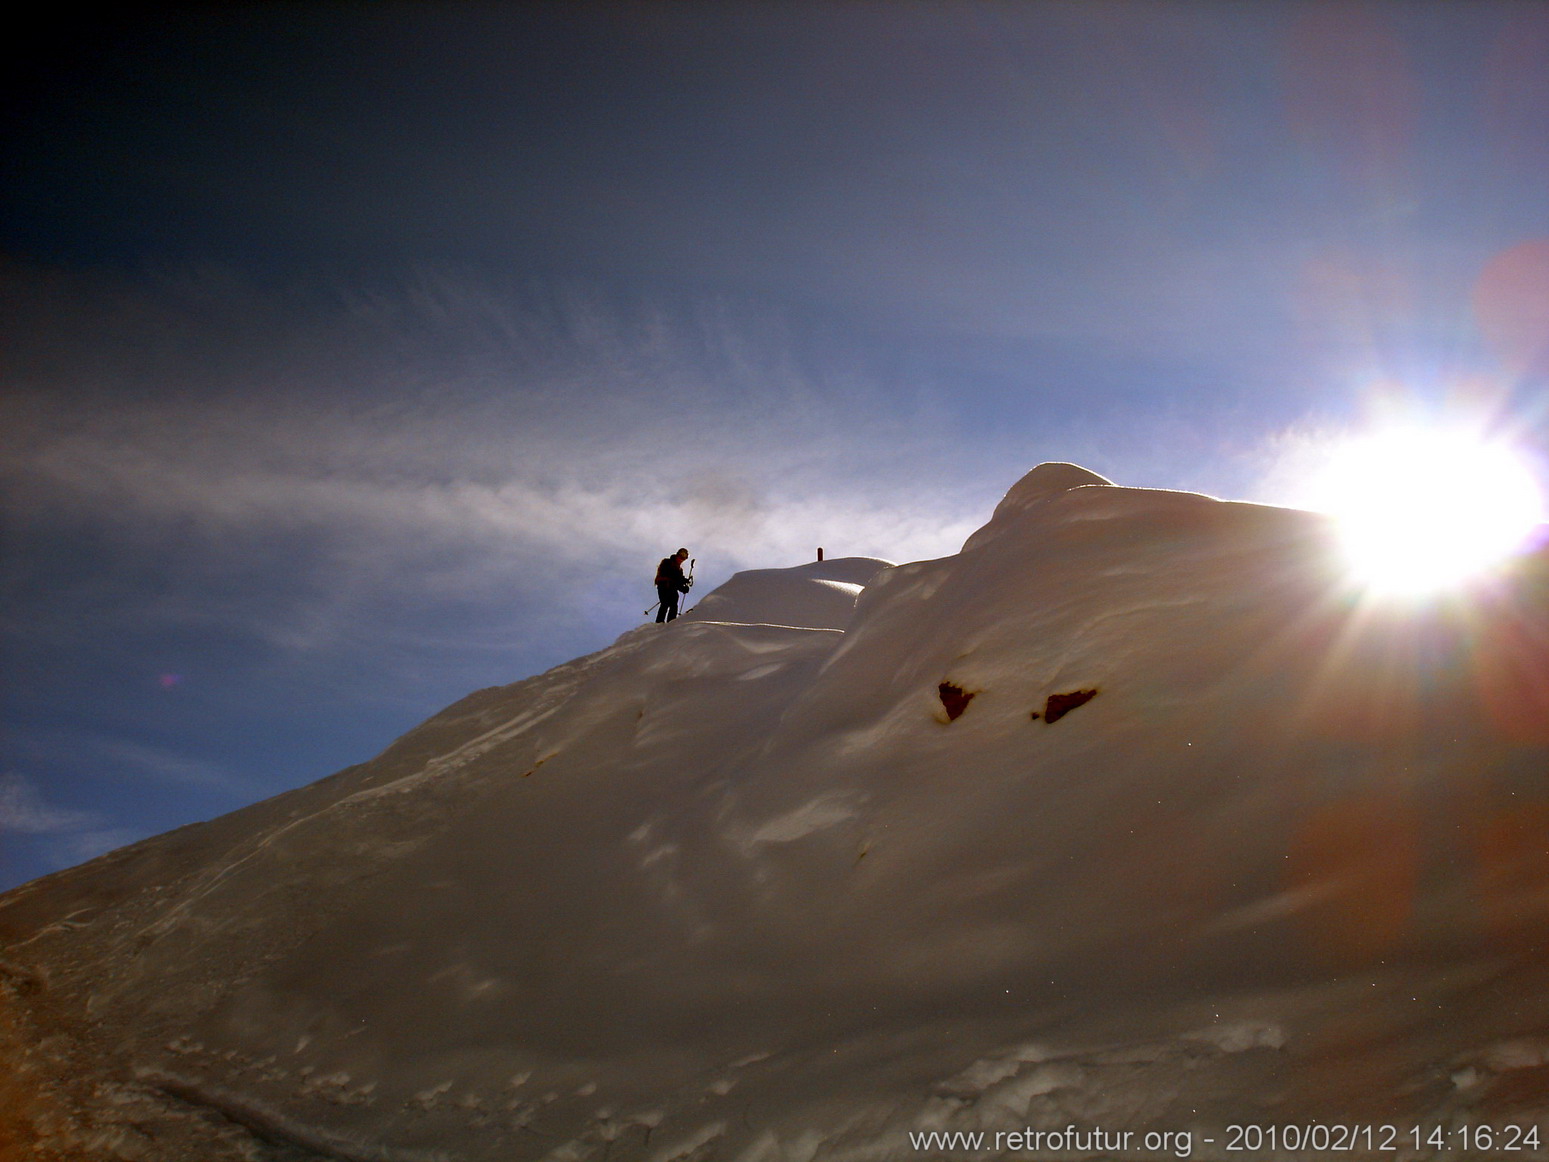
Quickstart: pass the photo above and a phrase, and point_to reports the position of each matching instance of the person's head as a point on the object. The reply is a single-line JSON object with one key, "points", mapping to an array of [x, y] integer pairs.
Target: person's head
{"points": [[681, 554]]}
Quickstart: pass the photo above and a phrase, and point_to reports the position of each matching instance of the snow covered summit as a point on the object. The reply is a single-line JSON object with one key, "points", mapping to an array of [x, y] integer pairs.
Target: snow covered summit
{"points": [[1129, 815], [819, 595]]}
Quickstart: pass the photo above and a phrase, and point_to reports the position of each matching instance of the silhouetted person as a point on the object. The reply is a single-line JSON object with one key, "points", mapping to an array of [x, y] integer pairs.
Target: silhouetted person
{"points": [[670, 582]]}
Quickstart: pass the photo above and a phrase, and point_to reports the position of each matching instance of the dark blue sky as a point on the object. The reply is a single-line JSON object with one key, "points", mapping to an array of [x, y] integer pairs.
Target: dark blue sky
{"points": [[357, 356]]}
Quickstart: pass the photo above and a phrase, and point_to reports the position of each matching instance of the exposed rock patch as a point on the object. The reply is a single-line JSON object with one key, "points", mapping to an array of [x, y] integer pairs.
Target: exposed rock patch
{"points": [[1059, 705], [954, 699]]}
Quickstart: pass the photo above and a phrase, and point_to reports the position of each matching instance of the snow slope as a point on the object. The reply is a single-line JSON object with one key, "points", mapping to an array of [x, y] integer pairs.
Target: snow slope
{"points": [[1129, 815]]}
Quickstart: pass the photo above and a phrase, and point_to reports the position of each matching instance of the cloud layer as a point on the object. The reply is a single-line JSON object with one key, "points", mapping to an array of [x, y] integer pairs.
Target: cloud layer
{"points": [[441, 437]]}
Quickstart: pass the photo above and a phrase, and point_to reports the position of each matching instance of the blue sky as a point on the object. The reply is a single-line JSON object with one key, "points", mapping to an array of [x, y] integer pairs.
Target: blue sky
{"points": [[359, 356]]}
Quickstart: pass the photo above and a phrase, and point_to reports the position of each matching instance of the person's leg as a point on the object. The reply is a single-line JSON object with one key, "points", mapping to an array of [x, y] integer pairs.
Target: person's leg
{"points": [[667, 599], [672, 608]]}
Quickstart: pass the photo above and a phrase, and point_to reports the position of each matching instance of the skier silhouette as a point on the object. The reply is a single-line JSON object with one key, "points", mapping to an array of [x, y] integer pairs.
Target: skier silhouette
{"points": [[670, 582]]}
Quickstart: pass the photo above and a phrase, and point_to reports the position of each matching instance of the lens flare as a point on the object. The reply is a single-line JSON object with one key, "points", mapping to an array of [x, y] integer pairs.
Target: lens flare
{"points": [[1423, 510]]}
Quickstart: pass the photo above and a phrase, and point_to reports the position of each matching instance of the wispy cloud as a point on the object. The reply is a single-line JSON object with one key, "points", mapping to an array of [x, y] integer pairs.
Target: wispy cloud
{"points": [[25, 811], [121, 760], [453, 442], [65, 837], [169, 767]]}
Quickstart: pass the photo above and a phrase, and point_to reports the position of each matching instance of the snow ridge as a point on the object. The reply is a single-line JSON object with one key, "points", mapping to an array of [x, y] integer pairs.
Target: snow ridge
{"points": [[1129, 814]]}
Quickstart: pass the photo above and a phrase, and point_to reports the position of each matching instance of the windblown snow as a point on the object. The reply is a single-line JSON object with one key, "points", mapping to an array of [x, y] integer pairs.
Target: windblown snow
{"points": [[1129, 817]]}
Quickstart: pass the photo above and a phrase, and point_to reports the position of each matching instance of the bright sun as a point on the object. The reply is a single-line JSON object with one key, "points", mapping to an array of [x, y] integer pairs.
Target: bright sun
{"points": [[1420, 510]]}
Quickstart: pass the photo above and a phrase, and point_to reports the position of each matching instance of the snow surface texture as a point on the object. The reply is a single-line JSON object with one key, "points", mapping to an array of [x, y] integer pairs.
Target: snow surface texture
{"points": [[1126, 816]]}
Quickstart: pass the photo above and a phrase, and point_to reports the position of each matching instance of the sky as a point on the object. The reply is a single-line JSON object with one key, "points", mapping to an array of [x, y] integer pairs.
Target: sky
{"points": [[356, 357]]}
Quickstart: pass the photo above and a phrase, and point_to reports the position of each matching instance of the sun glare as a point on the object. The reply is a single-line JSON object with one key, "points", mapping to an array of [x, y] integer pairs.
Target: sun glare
{"points": [[1421, 510]]}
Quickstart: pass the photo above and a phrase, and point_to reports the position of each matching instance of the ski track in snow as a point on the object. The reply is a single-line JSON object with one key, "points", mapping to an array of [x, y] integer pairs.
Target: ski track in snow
{"points": [[554, 698]]}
